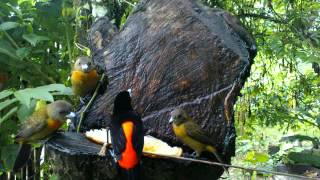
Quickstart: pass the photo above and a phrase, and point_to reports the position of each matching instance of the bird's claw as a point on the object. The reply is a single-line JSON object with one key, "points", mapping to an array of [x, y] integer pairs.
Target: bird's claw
{"points": [[194, 155]]}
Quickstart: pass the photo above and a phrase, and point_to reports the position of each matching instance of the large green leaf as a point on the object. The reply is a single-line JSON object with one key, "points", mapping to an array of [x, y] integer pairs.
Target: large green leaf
{"points": [[23, 52], [25, 96], [43, 93], [7, 49], [33, 39], [59, 89], [25, 111], [8, 25], [5, 93], [9, 154], [7, 103], [8, 115], [256, 157]]}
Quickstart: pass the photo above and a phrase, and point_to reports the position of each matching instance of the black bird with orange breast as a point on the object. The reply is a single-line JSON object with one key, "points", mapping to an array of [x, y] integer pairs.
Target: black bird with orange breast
{"points": [[127, 137]]}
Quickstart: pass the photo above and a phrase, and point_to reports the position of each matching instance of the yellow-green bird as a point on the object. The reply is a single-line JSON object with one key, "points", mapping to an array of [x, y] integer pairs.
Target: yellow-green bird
{"points": [[44, 121], [84, 77], [191, 134]]}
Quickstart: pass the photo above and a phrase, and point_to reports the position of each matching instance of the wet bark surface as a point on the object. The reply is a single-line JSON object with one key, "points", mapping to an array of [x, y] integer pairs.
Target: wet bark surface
{"points": [[174, 53]]}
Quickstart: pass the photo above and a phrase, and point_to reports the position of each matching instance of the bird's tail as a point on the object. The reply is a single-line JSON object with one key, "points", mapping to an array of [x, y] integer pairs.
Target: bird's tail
{"points": [[131, 174], [23, 156], [215, 153]]}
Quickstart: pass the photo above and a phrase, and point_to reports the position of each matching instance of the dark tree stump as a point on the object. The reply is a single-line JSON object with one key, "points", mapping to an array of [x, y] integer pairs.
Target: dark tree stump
{"points": [[174, 53]]}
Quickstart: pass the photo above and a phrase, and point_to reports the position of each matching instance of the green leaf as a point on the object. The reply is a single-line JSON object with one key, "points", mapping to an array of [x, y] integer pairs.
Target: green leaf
{"points": [[57, 89], [9, 114], [41, 93], [5, 93], [7, 49], [23, 52], [8, 25], [25, 96], [33, 39], [256, 157], [9, 154], [24, 111], [7, 103]]}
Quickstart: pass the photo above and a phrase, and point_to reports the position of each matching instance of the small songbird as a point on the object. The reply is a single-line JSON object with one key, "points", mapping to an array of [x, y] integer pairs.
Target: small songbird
{"points": [[127, 136], [84, 77], [191, 134], [44, 121]]}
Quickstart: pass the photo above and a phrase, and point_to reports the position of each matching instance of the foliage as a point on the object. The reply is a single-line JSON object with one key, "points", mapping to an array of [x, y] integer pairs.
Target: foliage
{"points": [[15, 106], [34, 41], [39, 40], [282, 89]]}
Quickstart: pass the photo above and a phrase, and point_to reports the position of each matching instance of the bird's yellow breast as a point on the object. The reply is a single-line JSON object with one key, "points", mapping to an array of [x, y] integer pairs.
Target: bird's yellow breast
{"points": [[179, 130], [78, 76], [83, 83], [54, 124], [181, 133]]}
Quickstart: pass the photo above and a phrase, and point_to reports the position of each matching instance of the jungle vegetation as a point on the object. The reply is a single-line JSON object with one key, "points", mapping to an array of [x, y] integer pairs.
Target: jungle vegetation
{"points": [[39, 40]]}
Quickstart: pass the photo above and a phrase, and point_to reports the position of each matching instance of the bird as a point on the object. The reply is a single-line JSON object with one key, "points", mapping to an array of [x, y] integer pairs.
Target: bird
{"points": [[127, 136], [84, 77], [43, 122], [191, 134]]}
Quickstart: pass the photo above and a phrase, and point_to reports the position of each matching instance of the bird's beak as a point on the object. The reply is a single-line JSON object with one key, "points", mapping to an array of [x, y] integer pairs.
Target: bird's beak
{"points": [[84, 67], [130, 92], [170, 120], [71, 115]]}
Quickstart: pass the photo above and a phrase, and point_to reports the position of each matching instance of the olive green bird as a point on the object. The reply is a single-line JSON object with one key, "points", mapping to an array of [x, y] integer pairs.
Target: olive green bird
{"points": [[44, 121], [84, 77], [191, 133]]}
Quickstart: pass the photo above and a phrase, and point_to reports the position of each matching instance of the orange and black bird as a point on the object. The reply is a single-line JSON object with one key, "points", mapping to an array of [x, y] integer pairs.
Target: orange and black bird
{"points": [[191, 134], [127, 137], [44, 121], [84, 77]]}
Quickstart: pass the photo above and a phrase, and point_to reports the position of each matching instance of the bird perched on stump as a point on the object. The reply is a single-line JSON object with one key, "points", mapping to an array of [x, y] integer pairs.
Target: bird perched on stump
{"points": [[84, 77], [191, 134], [127, 137], [44, 121]]}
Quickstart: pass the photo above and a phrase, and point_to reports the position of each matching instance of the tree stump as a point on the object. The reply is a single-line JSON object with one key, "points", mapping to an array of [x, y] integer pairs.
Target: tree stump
{"points": [[173, 53]]}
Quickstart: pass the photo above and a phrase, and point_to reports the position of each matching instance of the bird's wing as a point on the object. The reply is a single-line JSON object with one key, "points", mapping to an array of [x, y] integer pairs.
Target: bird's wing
{"points": [[195, 132], [35, 123], [29, 131]]}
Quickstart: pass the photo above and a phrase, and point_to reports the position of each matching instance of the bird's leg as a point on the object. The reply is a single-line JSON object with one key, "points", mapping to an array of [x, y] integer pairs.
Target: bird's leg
{"points": [[90, 102], [195, 154]]}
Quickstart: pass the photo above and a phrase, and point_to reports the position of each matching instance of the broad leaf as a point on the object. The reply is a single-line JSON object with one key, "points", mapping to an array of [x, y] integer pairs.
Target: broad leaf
{"points": [[33, 39], [25, 96], [9, 154], [8, 115], [7, 103], [61, 89], [41, 93], [23, 52], [8, 25], [6, 48], [5, 93]]}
